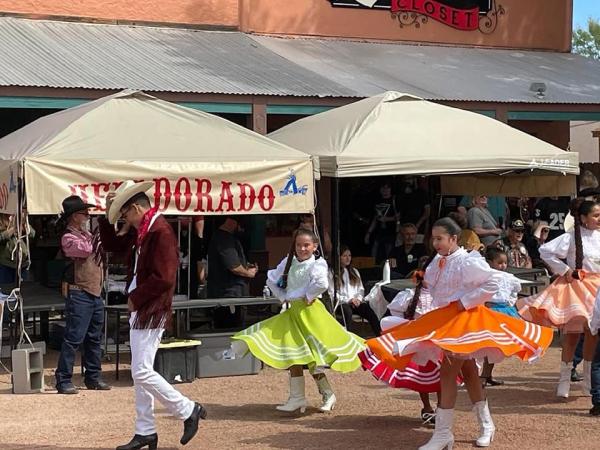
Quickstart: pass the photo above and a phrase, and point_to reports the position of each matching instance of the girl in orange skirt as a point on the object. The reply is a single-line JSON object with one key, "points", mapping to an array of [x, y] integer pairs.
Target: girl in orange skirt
{"points": [[569, 301], [458, 331]]}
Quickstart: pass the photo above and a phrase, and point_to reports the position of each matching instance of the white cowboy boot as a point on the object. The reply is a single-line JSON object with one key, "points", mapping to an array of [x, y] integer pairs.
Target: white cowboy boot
{"points": [[442, 436], [327, 394], [564, 384], [297, 398], [586, 384], [486, 426]]}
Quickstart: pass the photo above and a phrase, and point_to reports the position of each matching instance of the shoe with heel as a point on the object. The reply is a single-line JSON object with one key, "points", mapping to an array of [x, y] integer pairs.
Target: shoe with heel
{"points": [[487, 428], [297, 398], [442, 438], [327, 394], [564, 383], [139, 441]]}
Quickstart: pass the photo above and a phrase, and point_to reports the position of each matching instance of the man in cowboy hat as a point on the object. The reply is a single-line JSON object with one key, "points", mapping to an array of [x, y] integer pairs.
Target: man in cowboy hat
{"points": [[151, 285], [84, 307]]}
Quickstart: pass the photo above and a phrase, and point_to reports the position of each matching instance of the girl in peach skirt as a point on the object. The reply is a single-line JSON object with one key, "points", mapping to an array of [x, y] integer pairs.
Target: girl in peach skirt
{"points": [[458, 331], [569, 301]]}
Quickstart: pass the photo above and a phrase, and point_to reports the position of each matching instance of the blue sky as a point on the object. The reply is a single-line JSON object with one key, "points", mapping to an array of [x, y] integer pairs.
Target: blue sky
{"points": [[582, 9]]}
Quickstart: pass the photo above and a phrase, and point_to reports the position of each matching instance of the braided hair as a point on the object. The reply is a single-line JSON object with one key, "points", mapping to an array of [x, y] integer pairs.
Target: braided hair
{"points": [[409, 314], [580, 207], [292, 253]]}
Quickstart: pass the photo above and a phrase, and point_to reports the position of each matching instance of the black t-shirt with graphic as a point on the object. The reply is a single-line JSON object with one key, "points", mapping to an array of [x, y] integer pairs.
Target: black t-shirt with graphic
{"points": [[553, 211], [385, 208]]}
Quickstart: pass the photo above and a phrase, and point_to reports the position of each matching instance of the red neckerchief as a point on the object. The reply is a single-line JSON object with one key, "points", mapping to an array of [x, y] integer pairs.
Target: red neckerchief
{"points": [[145, 225]]}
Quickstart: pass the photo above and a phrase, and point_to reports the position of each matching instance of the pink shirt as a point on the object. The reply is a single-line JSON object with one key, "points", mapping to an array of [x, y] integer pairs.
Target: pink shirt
{"points": [[77, 243]]}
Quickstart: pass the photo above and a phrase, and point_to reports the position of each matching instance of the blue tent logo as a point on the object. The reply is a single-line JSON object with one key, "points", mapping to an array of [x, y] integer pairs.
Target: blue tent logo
{"points": [[291, 187]]}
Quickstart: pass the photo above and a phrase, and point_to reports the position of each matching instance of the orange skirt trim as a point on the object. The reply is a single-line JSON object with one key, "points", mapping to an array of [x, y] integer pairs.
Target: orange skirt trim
{"points": [[476, 333], [564, 305]]}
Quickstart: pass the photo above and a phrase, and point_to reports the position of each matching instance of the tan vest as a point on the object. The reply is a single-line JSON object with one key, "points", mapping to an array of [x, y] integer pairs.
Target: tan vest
{"points": [[88, 275]]}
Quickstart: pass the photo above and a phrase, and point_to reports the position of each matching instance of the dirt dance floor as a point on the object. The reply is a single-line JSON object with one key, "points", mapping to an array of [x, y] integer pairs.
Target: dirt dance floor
{"points": [[242, 415]]}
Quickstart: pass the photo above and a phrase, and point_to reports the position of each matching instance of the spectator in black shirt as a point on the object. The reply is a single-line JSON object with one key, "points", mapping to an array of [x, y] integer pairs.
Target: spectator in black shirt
{"points": [[553, 210], [228, 270], [385, 224], [405, 258]]}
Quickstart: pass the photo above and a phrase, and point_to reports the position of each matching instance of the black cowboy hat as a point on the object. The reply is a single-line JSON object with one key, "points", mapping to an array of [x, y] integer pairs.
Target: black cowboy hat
{"points": [[73, 204], [589, 192]]}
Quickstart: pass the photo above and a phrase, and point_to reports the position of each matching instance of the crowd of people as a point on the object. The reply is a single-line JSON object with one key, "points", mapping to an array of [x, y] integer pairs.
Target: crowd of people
{"points": [[463, 315]]}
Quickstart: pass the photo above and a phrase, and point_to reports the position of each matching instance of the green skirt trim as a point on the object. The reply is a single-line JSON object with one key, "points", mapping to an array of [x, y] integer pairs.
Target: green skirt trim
{"points": [[303, 335]]}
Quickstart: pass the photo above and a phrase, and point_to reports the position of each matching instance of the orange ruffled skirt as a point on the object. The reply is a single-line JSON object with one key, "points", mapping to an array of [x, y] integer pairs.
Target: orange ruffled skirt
{"points": [[568, 306], [476, 333]]}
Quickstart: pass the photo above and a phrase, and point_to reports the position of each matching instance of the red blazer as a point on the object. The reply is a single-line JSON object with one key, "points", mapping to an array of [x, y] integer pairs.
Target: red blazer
{"points": [[158, 259]]}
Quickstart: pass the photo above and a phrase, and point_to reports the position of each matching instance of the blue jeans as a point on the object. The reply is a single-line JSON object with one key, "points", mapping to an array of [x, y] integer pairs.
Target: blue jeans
{"points": [[84, 322], [596, 376]]}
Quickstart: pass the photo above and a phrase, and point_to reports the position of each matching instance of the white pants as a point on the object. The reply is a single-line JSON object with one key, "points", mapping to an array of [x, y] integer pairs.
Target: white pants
{"points": [[149, 384]]}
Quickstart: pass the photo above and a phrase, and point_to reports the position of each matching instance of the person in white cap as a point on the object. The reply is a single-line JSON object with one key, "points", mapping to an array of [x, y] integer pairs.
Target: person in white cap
{"points": [[151, 284]]}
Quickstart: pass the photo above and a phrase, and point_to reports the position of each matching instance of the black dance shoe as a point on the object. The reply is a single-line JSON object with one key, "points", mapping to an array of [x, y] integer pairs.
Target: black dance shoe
{"points": [[190, 425], [139, 441], [489, 381]]}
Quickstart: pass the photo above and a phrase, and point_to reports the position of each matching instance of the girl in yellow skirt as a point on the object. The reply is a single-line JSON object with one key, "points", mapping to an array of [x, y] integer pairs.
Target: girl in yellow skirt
{"points": [[569, 301], [304, 333], [458, 331]]}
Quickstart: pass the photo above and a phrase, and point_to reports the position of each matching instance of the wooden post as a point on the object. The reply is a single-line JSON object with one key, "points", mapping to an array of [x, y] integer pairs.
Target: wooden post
{"points": [[259, 116], [596, 134], [502, 113]]}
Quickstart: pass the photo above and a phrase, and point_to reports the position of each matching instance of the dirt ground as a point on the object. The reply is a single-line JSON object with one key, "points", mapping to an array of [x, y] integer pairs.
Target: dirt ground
{"points": [[242, 414]]}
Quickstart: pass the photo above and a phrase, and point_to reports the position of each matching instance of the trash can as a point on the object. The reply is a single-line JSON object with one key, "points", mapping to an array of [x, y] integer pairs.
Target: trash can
{"points": [[176, 360], [210, 357]]}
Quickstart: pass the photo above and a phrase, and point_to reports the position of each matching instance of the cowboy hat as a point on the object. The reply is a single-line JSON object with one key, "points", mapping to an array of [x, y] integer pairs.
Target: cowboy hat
{"points": [[72, 205], [124, 193]]}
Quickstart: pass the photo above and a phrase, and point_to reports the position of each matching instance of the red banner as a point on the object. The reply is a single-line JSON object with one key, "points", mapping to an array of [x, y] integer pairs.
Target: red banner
{"points": [[462, 19]]}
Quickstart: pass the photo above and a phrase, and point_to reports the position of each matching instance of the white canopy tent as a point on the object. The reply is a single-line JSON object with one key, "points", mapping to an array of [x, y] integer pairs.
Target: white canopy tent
{"points": [[398, 134], [200, 163]]}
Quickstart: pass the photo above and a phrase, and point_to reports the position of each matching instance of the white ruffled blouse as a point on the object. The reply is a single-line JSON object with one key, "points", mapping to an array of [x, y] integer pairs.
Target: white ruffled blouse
{"points": [[306, 279], [347, 290], [462, 276], [563, 247], [508, 290]]}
